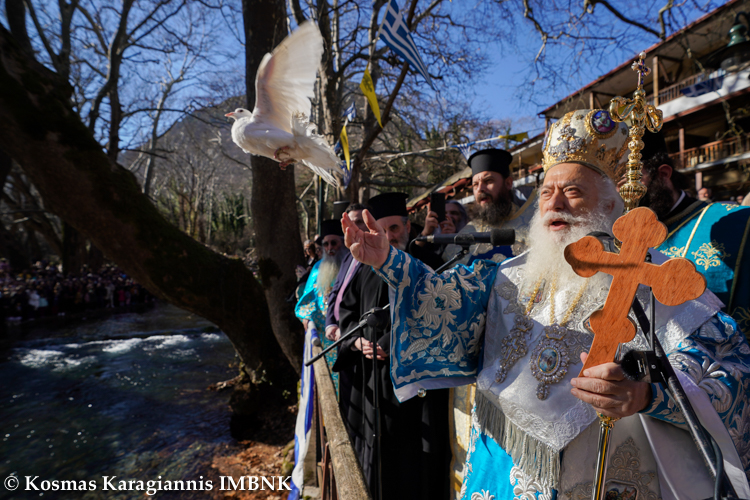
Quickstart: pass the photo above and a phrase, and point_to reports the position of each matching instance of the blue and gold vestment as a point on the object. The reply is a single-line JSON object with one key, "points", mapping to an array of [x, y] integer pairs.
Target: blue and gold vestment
{"points": [[714, 236], [312, 306]]}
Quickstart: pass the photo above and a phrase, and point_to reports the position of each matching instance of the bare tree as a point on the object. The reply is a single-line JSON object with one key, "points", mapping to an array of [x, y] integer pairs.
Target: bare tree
{"points": [[577, 42], [449, 38], [64, 162]]}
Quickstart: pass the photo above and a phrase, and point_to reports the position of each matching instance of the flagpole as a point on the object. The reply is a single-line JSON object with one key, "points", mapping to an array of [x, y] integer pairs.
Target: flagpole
{"points": [[444, 148]]}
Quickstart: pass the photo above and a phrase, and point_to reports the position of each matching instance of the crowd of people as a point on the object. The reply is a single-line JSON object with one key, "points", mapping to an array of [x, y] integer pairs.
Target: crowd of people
{"points": [[44, 291], [507, 333]]}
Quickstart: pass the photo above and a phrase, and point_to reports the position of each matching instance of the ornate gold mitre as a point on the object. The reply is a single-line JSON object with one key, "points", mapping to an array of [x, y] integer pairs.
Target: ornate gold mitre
{"points": [[589, 137]]}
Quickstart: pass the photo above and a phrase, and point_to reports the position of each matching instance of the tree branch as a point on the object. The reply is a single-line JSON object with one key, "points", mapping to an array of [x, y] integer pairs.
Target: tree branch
{"points": [[15, 12], [588, 6]]}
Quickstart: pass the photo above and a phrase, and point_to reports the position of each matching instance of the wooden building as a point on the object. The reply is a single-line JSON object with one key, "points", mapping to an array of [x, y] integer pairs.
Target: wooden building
{"points": [[699, 80]]}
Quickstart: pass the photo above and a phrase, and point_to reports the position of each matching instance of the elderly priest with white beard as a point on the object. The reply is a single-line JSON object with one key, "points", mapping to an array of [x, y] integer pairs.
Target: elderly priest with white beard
{"points": [[535, 428]]}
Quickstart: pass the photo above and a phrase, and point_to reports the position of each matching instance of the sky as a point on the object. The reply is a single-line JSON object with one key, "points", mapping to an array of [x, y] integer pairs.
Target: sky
{"points": [[496, 90]]}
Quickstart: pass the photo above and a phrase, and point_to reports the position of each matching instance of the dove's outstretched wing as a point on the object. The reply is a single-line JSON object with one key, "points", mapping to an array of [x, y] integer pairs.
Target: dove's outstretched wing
{"points": [[286, 77]]}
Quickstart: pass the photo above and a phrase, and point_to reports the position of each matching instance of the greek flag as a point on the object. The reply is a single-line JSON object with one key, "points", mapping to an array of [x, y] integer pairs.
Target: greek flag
{"points": [[303, 427], [464, 148], [396, 35], [712, 84], [351, 112], [347, 174]]}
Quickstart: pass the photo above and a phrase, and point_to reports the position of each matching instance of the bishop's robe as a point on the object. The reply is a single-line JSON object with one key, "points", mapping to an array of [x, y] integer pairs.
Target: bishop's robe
{"points": [[715, 237], [465, 324], [414, 434], [312, 306]]}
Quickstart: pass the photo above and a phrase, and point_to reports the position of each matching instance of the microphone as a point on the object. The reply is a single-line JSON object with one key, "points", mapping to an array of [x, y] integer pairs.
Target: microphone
{"points": [[496, 238]]}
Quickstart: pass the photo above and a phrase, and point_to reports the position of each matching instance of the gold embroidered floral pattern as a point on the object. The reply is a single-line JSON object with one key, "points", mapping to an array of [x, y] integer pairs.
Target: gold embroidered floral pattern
{"points": [[672, 252], [742, 316], [710, 255]]}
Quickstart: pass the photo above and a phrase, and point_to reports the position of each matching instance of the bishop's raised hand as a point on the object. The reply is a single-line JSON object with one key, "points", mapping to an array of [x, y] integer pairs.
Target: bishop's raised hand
{"points": [[370, 248]]}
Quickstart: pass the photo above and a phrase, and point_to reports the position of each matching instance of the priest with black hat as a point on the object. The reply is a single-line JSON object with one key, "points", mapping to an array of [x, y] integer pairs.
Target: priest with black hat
{"points": [[495, 205], [414, 435], [313, 303]]}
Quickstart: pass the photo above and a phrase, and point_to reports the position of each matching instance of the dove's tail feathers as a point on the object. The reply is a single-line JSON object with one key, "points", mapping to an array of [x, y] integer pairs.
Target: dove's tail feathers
{"points": [[324, 174], [318, 154]]}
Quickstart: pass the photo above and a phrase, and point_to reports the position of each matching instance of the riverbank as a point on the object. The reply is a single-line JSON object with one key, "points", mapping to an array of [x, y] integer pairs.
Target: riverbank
{"points": [[128, 396], [268, 453]]}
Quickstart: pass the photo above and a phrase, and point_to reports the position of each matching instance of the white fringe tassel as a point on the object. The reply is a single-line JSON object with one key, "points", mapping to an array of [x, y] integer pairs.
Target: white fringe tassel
{"points": [[536, 459]]}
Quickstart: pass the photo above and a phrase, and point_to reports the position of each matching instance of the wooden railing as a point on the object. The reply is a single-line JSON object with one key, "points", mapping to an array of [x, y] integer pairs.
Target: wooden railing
{"points": [[339, 473], [713, 151], [674, 91]]}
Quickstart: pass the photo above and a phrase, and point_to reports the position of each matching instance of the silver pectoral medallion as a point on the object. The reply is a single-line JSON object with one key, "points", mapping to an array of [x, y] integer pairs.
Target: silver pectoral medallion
{"points": [[549, 360], [513, 347]]}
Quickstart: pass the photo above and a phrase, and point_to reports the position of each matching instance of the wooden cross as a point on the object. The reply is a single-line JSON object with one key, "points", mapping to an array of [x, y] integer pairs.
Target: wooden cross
{"points": [[674, 282]]}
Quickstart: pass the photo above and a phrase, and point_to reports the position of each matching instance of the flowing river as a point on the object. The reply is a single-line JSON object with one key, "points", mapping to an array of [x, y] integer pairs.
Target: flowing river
{"points": [[123, 396]]}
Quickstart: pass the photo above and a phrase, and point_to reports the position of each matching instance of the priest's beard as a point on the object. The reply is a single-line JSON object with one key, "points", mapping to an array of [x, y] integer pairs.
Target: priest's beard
{"points": [[493, 213], [658, 198], [546, 260], [329, 269]]}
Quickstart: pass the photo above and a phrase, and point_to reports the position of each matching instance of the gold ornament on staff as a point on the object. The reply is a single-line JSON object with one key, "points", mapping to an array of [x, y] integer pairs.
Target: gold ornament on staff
{"points": [[639, 116]]}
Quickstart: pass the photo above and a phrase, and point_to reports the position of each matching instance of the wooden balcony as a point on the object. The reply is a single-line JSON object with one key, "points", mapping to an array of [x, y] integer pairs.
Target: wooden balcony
{"points": [[713, 151], [674, 91]]}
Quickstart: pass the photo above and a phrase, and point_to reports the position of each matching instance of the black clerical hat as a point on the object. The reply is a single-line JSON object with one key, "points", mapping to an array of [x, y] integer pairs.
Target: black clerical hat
{"points": [[329, 227], [387, 204], [491, 160], [653, 143], [339, 207]]}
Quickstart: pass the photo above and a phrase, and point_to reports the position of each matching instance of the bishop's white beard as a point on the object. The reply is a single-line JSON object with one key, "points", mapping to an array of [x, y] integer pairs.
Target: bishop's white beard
{"points": [[329, 269], [546, 259]]}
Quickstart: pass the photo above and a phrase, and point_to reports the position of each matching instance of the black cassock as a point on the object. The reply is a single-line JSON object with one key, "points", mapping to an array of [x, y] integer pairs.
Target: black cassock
{"points": [[414, 434]]}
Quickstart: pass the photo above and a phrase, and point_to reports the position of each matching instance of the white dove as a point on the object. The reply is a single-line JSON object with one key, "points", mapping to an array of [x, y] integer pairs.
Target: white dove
{"points": [[278, 127]]}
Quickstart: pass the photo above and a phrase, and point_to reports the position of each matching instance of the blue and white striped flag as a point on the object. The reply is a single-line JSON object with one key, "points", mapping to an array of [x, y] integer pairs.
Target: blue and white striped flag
{"points": [[303, 427], [351, 112], [712, 84], [347, 174], [396, 35], [464, 148]]}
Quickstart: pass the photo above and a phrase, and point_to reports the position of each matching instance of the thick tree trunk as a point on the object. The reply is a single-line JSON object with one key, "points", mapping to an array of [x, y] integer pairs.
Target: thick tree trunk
{"points": [[274, 209], [10, 248], [74, 254], [103, 201]]}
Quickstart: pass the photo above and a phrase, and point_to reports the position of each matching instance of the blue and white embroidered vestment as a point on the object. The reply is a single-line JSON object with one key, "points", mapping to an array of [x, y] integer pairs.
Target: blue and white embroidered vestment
{"points": [[312, 306], [455, 328]]}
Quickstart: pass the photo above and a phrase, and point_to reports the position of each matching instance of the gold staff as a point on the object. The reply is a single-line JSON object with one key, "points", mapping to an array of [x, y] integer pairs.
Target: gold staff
{"points": [[639, 116]]}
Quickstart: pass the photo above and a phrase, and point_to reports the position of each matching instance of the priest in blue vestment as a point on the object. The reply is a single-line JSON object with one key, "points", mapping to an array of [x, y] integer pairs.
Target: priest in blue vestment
{"points": [[519, 330], [313, 303], [712, 235]]}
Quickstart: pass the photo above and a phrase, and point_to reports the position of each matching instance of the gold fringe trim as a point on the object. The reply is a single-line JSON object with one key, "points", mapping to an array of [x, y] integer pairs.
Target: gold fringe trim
{"points": [[536, 459]]}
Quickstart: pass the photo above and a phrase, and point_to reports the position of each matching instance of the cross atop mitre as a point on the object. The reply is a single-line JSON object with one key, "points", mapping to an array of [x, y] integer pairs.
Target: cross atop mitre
{"points": [[673, 282]]}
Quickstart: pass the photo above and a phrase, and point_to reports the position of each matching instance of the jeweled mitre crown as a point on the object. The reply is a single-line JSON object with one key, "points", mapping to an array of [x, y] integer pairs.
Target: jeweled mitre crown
{"points": [[589, 137]]}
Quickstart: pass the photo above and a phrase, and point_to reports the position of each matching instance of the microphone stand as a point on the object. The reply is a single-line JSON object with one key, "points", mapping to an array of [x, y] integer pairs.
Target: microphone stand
{"points": [[654, 366], [378, 318], [363, 321]]}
